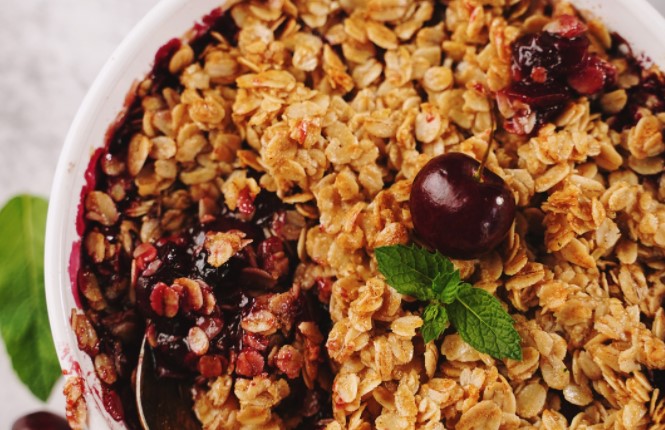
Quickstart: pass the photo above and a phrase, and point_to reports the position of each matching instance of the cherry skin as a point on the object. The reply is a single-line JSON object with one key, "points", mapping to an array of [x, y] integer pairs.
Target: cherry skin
{"points": [[457, 213], [41, 421]]}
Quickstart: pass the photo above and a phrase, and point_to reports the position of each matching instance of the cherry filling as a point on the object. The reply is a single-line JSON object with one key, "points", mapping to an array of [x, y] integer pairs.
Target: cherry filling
{"points": [[177, 289], [40, 421], [205, 317], [548, 70], [241, 317], [649, 93]]}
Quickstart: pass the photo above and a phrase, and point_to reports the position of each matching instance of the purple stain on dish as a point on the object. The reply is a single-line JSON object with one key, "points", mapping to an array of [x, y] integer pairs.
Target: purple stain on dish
{"points": [[73, 269]]}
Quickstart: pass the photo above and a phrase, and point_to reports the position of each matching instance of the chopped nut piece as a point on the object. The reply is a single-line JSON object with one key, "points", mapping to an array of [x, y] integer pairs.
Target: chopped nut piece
{"points": [[86, 335], [250, 363], [105, 369], [289, 360]]}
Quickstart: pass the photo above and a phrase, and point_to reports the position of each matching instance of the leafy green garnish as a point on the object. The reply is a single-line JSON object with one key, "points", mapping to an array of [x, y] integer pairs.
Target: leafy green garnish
{"points": [[411, 270], [477, 316], [483, 323], [435, 321], [24, 324]]}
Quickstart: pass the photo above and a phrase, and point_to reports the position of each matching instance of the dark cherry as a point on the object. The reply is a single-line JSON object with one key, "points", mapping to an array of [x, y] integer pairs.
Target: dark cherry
{"points": [[456, 212], [41, 421]]}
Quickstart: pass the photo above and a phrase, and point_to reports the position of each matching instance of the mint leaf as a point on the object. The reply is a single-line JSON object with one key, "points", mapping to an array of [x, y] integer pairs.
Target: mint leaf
{"points": [[435, 321], [411, 270], [447, 286], [448, 278], [24, 324], [432, 278], [481, 321]]}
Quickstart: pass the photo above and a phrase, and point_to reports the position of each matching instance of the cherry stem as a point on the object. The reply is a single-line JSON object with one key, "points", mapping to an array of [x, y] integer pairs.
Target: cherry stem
{"points": [[490, 140]]}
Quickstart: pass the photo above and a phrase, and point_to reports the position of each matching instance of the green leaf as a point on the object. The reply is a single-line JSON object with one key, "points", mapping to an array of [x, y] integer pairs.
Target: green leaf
{"points": [[448, 286], [435, 321], [24, 324], [411, 270], [483, 323], [446, 279], [432, 278]]}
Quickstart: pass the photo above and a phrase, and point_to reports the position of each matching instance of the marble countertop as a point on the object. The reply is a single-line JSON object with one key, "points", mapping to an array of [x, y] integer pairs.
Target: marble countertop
{"points": [[50, 54]]}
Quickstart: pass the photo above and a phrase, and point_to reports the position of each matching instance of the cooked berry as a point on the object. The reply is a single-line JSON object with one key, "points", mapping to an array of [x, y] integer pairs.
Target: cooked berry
{"points": [[551, 68], [41, 421], [592, 76]]}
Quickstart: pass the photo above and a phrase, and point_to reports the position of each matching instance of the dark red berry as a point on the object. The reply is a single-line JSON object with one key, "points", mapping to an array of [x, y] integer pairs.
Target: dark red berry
{"points": [[456, 213], [549, 69], [534, 51], [591, 77], [572, 52], [41, 421], [112, 403], [538, 95]]}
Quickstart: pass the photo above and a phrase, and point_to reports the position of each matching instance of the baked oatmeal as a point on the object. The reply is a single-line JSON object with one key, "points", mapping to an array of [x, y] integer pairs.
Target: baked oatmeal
{"points": [[238, 203]]}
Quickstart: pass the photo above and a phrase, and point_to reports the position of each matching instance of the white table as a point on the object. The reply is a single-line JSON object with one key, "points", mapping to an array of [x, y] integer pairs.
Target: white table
{"points": [[51, 51]]}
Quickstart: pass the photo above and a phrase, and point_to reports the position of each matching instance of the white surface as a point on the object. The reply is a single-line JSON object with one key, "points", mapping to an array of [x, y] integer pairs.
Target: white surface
{"points": [[51, 52]]}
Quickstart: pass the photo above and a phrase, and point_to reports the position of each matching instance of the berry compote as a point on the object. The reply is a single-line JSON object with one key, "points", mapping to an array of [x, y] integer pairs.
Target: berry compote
{"points": [[648, 93], [549, 69], [242, 317]]}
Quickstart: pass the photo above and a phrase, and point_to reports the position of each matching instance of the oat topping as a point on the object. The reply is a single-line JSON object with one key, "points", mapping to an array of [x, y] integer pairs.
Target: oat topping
{"points": [[76, 408], [237, 208], [222, 246]]}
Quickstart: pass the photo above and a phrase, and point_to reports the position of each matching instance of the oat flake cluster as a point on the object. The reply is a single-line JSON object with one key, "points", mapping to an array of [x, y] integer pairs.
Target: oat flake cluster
{"points": [[337, 105]]}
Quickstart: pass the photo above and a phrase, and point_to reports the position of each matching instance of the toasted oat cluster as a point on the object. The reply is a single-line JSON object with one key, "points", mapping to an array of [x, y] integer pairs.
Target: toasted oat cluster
{"points": [[238, 204]]}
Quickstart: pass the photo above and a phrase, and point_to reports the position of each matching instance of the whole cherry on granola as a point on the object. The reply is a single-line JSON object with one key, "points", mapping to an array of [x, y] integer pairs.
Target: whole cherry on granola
{"points": [[459, 207]]}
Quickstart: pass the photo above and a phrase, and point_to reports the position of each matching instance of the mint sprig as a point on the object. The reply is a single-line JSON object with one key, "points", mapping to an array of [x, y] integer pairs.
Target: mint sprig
{"points": [[430, 277]]}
